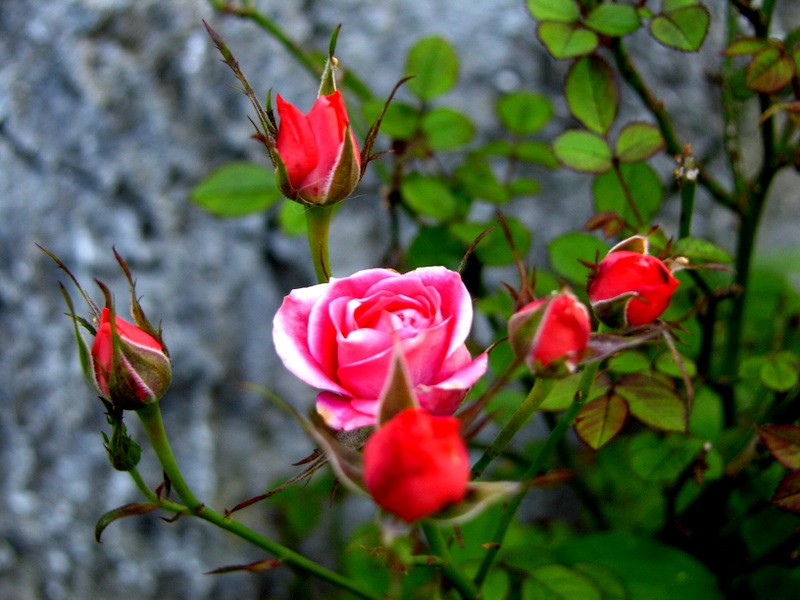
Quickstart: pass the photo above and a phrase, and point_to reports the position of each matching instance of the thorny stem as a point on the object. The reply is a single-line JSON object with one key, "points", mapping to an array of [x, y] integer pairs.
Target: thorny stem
{"points": [[154, 427], [560, 430]]}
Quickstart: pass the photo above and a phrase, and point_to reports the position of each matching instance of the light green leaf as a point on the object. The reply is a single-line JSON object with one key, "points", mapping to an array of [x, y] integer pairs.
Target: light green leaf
{"points": [[640, 182], [745, 46], [429, 196], [565, 11], [536, 152], [237, 189], [568, 250], [447, 128], [477, 178], [780, 372], [613, 20], [653, 402], [566, 40], [600, 420], [583, 151], [591, 93], [292, 218], [700, 250], [434, 64], [638, 141], [523, 113], [684, 28]]}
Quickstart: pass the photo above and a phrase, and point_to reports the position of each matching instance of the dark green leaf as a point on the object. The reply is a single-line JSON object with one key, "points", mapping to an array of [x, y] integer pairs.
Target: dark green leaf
{"points": [[568, 250], [479, 181], [638, 141], [493, 249], [591, 93], [536, 152], [783, 442], [554, 10], [684, 28], [640, 181], [653, 402], [524, 186], [662, 459], [434, 246], [237, 189], [613, 20], [788, 493], [523, 113], [557, 582], [566, 40], [583, 151], [434, 64], [611, 588], [400, 121], [447, 129]]}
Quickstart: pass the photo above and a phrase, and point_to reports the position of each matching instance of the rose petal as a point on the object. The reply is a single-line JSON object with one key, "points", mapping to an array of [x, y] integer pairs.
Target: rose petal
{"points": [[340, 413], [444, 397], [454, 300]]}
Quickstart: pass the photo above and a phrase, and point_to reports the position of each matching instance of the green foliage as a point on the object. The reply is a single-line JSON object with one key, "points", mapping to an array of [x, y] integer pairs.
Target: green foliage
{"points": [[237, 189], [433, 62]]}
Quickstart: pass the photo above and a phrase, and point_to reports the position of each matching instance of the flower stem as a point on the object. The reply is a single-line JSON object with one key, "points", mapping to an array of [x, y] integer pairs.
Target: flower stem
{"points": [[561, 428], [154, 427], [454, 575], [318, 222], [539, 392]]}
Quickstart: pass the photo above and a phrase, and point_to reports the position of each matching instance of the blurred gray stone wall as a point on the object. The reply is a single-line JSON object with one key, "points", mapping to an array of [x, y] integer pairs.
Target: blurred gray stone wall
{"points": [[110, 111]]}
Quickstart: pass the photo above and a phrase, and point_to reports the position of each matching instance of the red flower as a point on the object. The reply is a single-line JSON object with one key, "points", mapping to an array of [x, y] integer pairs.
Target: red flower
{"points": [[630, 288], [140, 372], [318, 151], [416, 464], [551, 334]]}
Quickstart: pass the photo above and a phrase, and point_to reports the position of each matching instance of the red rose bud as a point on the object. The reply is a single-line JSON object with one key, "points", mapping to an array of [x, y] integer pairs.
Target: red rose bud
{"points": [[416, 464], [550, 334], [133, 372], [630, 288], [316, 155]]}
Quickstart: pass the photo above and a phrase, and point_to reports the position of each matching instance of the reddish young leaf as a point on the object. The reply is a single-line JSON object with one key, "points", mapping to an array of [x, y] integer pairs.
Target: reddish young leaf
{"points": [[783, 442], [788, 493], [601, 420]]}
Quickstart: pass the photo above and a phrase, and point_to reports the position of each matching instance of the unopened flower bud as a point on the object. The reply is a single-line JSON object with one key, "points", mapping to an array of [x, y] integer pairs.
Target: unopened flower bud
{"points": [[131, 368], [550, 334]]}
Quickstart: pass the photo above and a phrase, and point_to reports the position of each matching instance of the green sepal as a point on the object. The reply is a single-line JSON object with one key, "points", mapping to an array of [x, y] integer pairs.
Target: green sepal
{"points": [[123, 451], [613, 311], [480, 496], [398, 390], [347, 173], [327, 84]]}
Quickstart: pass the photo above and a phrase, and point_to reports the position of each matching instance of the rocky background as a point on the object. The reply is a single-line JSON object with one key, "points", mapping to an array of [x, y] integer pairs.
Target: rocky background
{"points": [[110, 111]]}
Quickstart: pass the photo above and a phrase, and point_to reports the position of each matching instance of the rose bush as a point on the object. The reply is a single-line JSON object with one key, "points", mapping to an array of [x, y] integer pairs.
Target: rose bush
{"points": [[318, 151], [339, 337], [551, 334], [416, 464]]}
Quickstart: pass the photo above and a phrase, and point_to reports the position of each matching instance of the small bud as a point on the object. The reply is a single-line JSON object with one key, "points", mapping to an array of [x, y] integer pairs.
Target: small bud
{"points": [[131, 368], [551, 334], [630, 288], [316, 156], [416, 464]]}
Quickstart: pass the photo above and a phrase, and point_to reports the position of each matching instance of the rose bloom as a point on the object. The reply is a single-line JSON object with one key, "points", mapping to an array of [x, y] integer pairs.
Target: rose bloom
{"points": [[313, 150], [630, 288], [143, 370], [416, 464], [339, 337], [551, 334]]}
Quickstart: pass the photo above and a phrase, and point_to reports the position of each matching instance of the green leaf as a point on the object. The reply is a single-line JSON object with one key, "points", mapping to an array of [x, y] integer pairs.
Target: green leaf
{"points": [[665, 363], [566, 40], [523, 113], [434, 246], [653, 402], [780, 373], [648, 569], [524, 186], [783, 442], [568, 250], [557, 582], [769, 71], [479, 181], [400, 121], [745, 46], [292, 218], [629, 361], [788, 493], [563, 392], [434, 64], [429, 196], [493, 249], [613, 20], [600, 420], [700, 250], [638, 141], [684, 28], [536, 152], [611, 588], [564, 11], [591, 93], [640, 181], [447, 128], [661, 459], [583, 151], [236, 189]]}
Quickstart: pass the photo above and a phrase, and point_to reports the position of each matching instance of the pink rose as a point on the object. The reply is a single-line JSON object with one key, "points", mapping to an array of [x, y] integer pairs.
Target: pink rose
{"points": [[339, 337]]}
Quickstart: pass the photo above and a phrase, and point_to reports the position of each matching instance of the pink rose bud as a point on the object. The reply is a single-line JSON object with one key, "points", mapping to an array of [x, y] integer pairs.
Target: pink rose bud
{"points": [[135, 373], [630, 288], [551, 334], [341, 337], [317, 159], [416, 464]]}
